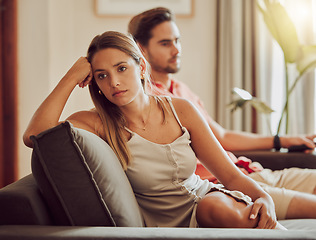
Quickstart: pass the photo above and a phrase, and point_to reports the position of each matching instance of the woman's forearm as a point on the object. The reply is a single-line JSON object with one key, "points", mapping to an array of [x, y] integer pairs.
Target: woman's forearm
{"points": [[49, 112], [249, 187]]}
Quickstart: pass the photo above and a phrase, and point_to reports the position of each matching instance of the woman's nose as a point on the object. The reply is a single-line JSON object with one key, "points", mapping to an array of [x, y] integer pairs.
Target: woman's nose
{"points": [[115, 82]]}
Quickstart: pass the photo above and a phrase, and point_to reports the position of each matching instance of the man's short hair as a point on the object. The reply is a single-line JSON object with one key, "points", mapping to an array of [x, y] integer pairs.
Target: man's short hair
{"points": [[141, 25]]}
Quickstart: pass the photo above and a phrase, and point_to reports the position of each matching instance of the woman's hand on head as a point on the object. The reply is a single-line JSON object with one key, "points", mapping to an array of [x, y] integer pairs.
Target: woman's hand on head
{"points": [[80, 72], [263, 209]]}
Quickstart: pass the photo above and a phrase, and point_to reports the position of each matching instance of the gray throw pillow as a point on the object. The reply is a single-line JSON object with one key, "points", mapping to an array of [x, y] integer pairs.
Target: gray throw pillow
{"points": [[82, 180]]}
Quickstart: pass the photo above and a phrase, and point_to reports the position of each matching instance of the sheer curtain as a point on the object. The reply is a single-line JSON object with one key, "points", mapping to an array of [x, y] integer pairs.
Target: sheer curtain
{"points": [[270, 71], [235, 58]]}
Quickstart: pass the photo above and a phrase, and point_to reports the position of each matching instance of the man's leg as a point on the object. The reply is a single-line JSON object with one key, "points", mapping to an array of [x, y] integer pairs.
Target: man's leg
{"points": [[296, 179], [292, 190], [291, 204], [302, 205]]}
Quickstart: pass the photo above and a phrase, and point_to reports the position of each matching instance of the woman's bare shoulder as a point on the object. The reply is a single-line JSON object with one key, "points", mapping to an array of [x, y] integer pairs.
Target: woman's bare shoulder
{"points": [[182, 105], [188, 114], [88, 120], [85, 116]]}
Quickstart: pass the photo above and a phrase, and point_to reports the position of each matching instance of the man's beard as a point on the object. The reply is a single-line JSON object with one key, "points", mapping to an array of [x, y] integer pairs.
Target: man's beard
{"points": [[169, 69], [159, 68]]}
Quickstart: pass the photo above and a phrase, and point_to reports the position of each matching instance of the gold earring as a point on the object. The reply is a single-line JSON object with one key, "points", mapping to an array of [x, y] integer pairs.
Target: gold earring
{"points": [[100, 92]]}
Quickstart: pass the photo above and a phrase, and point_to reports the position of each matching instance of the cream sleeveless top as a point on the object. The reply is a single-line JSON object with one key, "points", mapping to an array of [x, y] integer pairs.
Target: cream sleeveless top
{"points": [[163, 180]]}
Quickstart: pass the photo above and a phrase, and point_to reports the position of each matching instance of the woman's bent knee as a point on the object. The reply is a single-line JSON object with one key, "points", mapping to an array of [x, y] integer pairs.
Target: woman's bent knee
{"points": [[220, 210]]}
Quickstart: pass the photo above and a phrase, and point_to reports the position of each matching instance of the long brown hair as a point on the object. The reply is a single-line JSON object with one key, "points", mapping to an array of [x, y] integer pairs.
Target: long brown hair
{"points": [[112, 118]]}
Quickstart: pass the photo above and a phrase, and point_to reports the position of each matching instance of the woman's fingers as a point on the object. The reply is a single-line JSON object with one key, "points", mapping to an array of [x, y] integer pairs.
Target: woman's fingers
{"points": [[80, 72], [86, 81], [267, 220]]}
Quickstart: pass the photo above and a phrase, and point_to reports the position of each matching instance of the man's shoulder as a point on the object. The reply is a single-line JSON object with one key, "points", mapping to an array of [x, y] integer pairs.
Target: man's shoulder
{"points": [[176, 82], [157, 89], [180, 89]]}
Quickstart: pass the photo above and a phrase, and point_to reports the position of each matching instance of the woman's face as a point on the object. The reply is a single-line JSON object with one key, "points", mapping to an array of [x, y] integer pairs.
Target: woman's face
{"points": [[117, 75]]}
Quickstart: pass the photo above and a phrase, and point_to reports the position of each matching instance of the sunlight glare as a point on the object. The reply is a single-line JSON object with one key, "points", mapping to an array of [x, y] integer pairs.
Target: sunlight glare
{"points": [[298, 10]]}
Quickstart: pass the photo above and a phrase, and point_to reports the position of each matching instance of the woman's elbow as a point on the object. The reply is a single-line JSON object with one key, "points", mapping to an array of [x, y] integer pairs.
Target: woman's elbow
{"points": [[27, 140]]}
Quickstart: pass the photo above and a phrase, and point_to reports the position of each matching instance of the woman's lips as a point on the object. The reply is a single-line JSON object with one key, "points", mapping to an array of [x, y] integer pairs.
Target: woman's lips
{"points": [[119, 93]]}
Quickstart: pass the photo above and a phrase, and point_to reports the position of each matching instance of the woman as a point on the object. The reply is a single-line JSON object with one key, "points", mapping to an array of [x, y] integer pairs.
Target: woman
{"points": [[157, 141]]}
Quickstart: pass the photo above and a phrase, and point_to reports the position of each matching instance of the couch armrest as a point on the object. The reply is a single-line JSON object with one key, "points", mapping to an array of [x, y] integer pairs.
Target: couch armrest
{"points": [[22, 203], [280, 160], [86, 233]]}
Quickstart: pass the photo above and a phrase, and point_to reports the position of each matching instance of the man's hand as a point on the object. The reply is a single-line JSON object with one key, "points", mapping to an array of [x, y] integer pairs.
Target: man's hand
{"points": [[298, 142]]}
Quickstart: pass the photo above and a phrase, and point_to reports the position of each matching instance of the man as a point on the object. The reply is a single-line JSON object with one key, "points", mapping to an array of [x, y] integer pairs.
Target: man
{"points": [[158, 36]]}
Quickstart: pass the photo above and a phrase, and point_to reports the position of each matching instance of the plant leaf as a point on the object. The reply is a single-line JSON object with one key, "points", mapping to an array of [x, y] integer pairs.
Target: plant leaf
{"points": [[260, 106], [281, 27], [239, 103], [242, 93], [307, 58]]}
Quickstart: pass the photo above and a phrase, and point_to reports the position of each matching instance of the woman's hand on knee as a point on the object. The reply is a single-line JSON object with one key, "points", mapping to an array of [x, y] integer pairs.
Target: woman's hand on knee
{"points": [[262, 209]]}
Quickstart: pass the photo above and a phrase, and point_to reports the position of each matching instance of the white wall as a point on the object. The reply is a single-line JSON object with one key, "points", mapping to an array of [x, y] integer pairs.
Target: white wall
{"points": [[52, 34]]}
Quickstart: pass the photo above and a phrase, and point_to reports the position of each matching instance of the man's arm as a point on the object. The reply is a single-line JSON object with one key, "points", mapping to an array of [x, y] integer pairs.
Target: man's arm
{"points": [[244, 141]]}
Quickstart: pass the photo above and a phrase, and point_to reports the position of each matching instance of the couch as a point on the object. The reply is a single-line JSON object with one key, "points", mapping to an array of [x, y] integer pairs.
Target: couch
{"points": [[78, 190]]}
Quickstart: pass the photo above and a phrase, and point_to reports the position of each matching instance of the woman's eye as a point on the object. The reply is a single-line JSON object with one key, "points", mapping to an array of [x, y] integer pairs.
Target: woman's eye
{"points": [[102, 76], [122, 69]]}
